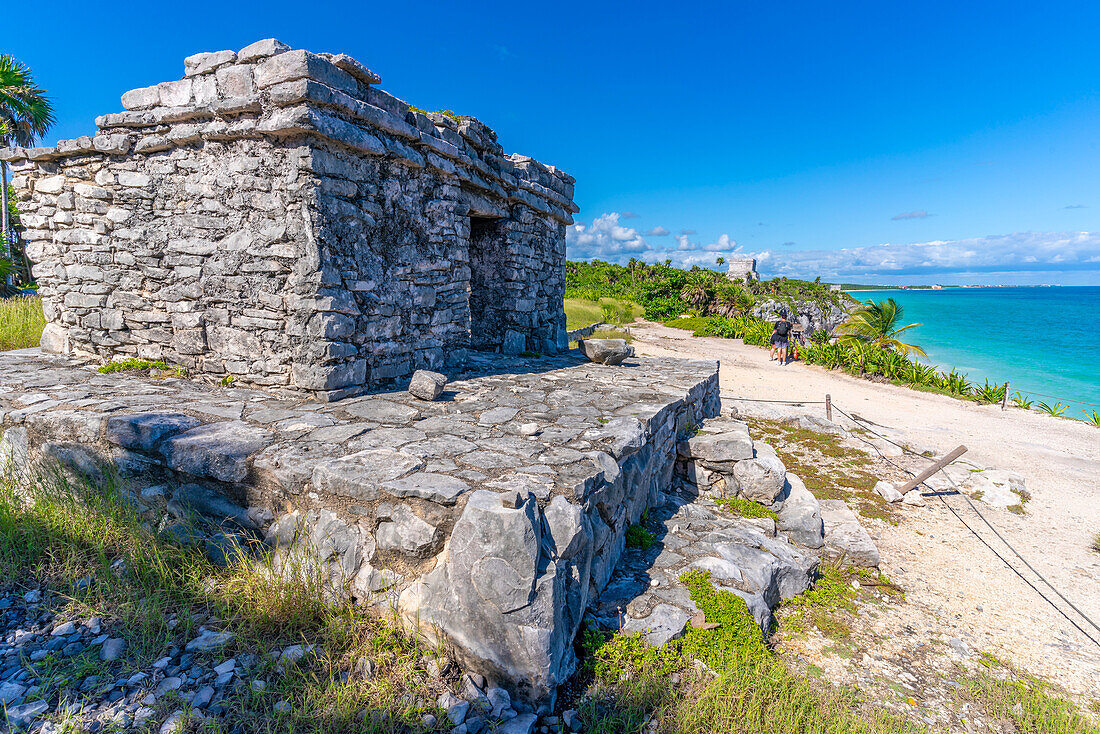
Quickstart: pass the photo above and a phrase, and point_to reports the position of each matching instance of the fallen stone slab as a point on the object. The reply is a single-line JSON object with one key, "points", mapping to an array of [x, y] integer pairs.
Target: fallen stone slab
{"points": [[209, 641], [216, 450], [718, 449], [606, 351], [846, 541], [664, 624]]}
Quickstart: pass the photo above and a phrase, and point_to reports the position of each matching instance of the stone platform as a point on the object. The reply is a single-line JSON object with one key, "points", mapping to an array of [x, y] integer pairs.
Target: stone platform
{"points": [[490, 518]]}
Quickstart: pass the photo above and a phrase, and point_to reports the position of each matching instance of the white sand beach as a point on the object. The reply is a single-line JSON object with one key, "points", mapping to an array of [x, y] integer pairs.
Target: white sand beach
{"points": [[944, 569]]}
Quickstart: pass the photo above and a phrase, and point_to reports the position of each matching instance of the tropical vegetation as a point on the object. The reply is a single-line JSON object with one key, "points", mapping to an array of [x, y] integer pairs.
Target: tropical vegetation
{"points": [[876, 324], [25, 115], [665, 292]]}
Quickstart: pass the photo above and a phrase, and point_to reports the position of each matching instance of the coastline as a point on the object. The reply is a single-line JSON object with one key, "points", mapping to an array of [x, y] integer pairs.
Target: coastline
{"points": [[1037, 338], [940, 564]]}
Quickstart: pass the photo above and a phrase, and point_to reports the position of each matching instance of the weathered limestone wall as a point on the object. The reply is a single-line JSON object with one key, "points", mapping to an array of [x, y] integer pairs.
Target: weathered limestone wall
{"points": [[743, 268], [490, 519], [276, 217]]}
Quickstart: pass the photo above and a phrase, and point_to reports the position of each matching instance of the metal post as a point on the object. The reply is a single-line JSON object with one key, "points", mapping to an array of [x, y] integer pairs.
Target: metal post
{"points": [[1004, 400], [828, 406], [932, 469]]}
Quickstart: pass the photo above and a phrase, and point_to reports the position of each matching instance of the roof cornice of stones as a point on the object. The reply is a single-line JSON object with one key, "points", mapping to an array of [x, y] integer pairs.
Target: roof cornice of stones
{"points": [[297, 93]]}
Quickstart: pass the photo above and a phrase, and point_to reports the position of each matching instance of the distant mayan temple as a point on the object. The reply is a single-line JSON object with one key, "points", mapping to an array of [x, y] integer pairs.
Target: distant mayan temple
{"points": [[743, 268]]}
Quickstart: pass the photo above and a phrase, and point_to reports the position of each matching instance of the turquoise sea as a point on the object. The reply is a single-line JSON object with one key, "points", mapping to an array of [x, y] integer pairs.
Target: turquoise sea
{"points": [[1041, 339]]}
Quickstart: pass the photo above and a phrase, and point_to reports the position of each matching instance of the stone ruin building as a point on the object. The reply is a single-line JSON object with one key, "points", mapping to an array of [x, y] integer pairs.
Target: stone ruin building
{"points": [[276, 217], [743, 268]]}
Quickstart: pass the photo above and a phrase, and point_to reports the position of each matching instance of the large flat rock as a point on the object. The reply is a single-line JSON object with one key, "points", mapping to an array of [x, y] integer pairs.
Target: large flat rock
{"points": [[490, 514]]}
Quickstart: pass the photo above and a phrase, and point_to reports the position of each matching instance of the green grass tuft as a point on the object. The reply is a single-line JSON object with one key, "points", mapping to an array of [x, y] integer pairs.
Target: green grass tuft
{"points": [[21, 322], [127, 365], [580, 312], [637, 536], [745, 508]]}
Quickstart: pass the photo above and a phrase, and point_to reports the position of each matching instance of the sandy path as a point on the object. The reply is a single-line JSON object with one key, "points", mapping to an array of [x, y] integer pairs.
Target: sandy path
{"points": [[945, 569]]}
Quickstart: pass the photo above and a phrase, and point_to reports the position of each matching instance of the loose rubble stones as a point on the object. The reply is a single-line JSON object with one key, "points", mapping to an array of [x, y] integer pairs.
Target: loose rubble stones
{"points": [[845, 539]]}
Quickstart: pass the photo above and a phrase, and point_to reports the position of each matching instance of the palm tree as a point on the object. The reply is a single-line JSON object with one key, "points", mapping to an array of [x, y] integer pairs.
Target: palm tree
{"points": [[877, 324], [720, 261], [25, 115]]}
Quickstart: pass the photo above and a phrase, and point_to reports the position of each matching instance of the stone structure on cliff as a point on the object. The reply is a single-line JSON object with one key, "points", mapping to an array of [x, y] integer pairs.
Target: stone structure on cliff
{"points": [[742, 268], [275, 217]]}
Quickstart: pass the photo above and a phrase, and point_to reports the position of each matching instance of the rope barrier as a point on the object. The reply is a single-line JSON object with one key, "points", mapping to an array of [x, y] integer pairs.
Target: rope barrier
{"points": [[785, 402], [863, 423], [985, 520], [1030, 393]]}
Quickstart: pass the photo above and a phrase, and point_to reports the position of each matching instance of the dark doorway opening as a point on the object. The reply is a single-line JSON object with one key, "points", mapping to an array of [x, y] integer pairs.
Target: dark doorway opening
{"points": [[487, 283]]}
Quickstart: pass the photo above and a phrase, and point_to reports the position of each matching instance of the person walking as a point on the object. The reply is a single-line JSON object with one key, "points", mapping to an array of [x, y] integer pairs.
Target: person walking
{"points": [[779, 339]]}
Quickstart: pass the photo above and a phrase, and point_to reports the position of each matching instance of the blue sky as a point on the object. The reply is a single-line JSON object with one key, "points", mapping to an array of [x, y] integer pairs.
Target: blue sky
{"points": [[867, 141]]}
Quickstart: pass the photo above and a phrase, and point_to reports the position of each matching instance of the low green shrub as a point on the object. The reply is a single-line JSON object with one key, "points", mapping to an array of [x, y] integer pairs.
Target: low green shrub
{"points": [[637, 536], [126, 365], [745, 508]]}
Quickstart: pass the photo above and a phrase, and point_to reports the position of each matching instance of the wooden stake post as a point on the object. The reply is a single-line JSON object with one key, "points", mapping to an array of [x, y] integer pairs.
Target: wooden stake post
{"points": [[1004, 400], [828, 406], [940, 464]]}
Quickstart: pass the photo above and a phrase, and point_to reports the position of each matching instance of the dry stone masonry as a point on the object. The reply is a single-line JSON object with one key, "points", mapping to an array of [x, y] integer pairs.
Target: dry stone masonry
{"points": [[275, 217]]}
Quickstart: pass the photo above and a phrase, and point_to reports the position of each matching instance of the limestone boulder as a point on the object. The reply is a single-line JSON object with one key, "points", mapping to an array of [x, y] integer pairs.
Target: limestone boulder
{"points": [[511, 591], [427, 385], [606, 351], [846, 541], [800, 514], [762, 477]]}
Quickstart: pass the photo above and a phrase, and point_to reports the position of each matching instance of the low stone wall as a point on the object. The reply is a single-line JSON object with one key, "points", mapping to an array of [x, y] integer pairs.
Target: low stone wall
{"points": [[490, 518]]}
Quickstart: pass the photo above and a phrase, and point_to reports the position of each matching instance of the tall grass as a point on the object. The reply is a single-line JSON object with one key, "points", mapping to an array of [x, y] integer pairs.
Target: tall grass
{"points": [[91, 542], [580, 312], [21, 322], [725, 680]]}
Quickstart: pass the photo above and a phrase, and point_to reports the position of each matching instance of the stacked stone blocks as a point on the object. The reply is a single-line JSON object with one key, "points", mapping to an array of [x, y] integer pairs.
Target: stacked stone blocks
{"points": [[275, 217]]}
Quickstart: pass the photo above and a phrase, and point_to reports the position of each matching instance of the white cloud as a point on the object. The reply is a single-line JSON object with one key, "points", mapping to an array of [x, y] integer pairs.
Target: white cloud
{"points": [[724, 244], [630, 215], [657, 231], [1020, 251], [606, 239]]}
